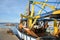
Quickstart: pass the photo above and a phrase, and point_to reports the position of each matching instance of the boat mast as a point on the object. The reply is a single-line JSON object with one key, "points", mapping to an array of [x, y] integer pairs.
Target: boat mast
{"points": [[28, 8]]}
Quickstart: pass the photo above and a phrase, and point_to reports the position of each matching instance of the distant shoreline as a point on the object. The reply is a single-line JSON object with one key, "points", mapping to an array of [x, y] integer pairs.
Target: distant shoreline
{"points": [[10, 24]]}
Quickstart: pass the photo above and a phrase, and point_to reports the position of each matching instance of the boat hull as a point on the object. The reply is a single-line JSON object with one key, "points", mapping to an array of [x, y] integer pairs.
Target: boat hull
{"points": [[27, 37]]}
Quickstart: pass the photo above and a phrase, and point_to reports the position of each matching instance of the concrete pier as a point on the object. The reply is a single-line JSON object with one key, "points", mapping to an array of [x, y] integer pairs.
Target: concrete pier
{"points": [[5, 36]]}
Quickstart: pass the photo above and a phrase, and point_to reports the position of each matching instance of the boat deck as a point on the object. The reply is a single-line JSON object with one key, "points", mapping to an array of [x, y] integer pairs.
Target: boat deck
{"points": [[5, 36]]}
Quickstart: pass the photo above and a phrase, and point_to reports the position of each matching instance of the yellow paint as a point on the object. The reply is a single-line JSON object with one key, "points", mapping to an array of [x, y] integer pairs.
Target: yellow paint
{"points": [[52, 7], [56, 12], [43, 6], [32, 12], [29, 23], [33, 22], [38, 3], [36, 17], [55, 28], [31, 17]]}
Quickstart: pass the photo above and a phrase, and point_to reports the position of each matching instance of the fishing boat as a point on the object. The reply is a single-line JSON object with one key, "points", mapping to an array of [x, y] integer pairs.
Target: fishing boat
{"points": [[37, 27]]}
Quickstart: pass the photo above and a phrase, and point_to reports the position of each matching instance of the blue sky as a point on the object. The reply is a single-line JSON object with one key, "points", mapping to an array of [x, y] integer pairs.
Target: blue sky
{"points": [[10, 10]]}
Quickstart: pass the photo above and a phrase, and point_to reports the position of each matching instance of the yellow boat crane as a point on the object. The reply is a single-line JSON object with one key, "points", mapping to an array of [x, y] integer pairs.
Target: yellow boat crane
{"points": [[32, 17]]}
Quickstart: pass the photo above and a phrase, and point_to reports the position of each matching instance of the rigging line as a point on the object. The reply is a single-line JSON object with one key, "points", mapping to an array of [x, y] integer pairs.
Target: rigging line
{"points": [[51, 2], [41, 8], [57, 2]]}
